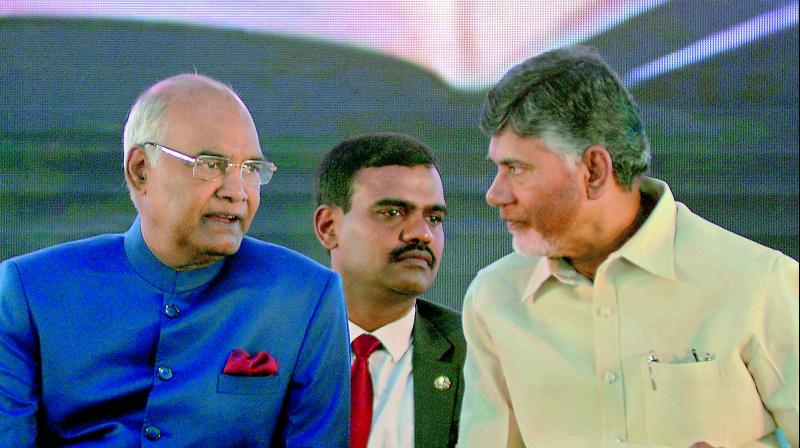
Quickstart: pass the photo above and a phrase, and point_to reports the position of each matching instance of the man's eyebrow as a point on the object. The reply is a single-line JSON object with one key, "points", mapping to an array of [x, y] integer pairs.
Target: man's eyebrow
{"points": [[439, 208], [509, 161], [211, 152], [393, 202]]}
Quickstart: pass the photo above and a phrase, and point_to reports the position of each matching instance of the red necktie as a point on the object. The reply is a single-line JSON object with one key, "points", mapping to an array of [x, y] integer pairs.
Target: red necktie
{"points": [[361, 390]]}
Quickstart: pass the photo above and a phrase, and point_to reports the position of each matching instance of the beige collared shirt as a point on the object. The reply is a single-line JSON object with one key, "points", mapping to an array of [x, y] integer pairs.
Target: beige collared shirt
{"points": [[392, 383], [554, 360]]}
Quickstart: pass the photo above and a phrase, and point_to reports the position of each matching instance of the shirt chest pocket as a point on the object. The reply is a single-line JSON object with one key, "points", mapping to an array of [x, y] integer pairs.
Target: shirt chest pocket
{"points": [[685, 403], [246, 385]]}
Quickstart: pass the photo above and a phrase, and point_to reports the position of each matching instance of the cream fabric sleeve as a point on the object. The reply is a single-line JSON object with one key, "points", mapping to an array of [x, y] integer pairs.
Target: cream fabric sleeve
{"points": [[487, 415], [774, 350]]}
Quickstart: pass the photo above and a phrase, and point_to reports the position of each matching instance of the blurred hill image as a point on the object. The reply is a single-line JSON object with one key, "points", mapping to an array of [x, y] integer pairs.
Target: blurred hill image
{"points": [[724, 131]]}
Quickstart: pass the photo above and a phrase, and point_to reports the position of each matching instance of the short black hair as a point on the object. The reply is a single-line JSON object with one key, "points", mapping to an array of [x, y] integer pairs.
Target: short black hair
{"points": [[337, 170]]}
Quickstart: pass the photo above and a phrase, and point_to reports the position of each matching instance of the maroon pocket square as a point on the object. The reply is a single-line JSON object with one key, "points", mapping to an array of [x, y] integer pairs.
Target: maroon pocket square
{"points": [[242, 364]]}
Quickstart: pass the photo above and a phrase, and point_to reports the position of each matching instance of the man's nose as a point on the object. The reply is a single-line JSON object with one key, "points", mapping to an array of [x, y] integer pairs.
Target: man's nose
{"points": [[233, 187], [418, 229], [498, 193]]}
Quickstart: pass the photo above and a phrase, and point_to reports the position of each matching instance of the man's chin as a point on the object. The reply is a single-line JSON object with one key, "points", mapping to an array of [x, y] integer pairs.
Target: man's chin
{"points": [[413, 287], [224, 251], [224, 248]]}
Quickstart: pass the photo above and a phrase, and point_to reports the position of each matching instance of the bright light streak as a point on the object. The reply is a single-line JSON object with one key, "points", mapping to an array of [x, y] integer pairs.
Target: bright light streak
{"points": [[714, 44]]}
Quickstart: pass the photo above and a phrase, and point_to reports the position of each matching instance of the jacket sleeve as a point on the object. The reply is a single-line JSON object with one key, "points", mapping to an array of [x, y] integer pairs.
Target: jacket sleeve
{"points": [[487, 416], [19, 364], [318, 408]]}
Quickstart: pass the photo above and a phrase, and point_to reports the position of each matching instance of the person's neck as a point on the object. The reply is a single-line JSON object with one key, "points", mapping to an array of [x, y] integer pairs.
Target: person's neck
{"points": [[171, 256], [374, 312], [616, 224]]}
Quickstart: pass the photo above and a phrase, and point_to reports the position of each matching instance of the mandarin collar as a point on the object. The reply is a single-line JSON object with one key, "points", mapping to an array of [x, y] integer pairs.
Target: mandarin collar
{"points": [[159, 275]]}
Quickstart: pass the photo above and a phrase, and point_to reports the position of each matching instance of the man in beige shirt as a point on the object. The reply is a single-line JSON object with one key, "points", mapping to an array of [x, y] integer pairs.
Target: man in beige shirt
{"points": [[621, 318]]}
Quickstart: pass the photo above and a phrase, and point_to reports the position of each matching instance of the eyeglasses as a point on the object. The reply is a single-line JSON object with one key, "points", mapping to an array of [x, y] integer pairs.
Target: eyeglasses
{"points": [[254, 172]]}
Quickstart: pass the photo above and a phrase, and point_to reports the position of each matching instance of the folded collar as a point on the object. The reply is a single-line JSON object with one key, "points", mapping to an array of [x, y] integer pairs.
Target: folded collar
{"points": [[395, 336], [552, 267], [652, 247]]}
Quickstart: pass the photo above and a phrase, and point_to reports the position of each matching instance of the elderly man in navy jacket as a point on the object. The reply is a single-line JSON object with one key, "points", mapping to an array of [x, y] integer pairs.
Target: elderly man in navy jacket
{"points": [[182, 331]]}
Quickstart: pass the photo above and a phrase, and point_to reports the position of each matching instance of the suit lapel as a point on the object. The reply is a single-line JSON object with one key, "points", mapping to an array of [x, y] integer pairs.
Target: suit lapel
{"points": [[433, 408]]}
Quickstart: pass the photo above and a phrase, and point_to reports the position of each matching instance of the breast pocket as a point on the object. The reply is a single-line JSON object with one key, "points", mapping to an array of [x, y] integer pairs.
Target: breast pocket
{"points": [[246, 385], [685, 403]]}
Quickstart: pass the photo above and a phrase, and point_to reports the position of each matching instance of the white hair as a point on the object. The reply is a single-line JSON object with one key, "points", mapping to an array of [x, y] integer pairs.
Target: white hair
{"points": [[145, 124]]}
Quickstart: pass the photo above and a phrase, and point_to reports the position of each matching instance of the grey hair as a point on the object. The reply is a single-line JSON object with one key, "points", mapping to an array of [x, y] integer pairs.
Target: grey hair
{"points": [[572, 100]]}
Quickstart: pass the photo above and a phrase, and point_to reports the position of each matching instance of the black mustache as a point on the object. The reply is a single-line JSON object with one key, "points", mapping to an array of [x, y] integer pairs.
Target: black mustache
{"points": [[395, 254]]}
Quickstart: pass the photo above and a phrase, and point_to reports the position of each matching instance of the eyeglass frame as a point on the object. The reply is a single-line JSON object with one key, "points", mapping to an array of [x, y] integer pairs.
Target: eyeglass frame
{"points": [[191, 160]]}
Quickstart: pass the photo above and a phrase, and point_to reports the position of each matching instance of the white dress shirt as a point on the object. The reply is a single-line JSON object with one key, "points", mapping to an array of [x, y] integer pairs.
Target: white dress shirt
{"points": [[554, 360], [392, 383]]}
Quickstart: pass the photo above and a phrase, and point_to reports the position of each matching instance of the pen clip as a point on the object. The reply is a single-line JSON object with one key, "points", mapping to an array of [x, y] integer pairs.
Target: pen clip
{"points": [[707, 357], [652, 358]]}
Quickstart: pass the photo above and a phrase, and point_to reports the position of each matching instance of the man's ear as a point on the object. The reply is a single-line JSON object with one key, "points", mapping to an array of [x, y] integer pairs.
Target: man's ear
{"points": [[136, 169], [325, 225], [599, 171]]}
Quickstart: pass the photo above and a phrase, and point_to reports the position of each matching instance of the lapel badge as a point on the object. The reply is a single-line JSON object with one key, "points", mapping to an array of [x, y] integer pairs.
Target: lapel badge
{"points": [[441, 383]]}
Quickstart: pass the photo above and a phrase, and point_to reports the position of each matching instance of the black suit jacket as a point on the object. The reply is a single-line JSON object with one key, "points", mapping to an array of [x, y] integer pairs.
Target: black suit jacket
{"points": [[439, 349]]}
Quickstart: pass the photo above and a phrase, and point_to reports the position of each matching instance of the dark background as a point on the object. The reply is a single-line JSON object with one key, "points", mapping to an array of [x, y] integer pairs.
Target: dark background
{"points": [[724, 130]]}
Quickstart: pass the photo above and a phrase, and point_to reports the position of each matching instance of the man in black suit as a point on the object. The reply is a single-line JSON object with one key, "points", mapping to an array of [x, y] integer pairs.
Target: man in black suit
{"points": [[380, 215]]}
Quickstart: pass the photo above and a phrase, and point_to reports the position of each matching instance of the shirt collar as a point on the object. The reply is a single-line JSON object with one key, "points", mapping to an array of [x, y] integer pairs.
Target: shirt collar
{"points": [[551, 267], [395, 336], [652, 247], [159, 275]]}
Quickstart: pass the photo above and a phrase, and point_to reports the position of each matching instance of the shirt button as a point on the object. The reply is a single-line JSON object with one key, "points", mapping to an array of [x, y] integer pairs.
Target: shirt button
{"points": [[605, 311], [152, 433], [611, 377], [164, 373], [171, 310]]}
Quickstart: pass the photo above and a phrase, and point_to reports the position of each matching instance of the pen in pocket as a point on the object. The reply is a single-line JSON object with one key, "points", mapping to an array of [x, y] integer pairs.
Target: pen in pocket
{"points": [[706, 357], [652, 358]]}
